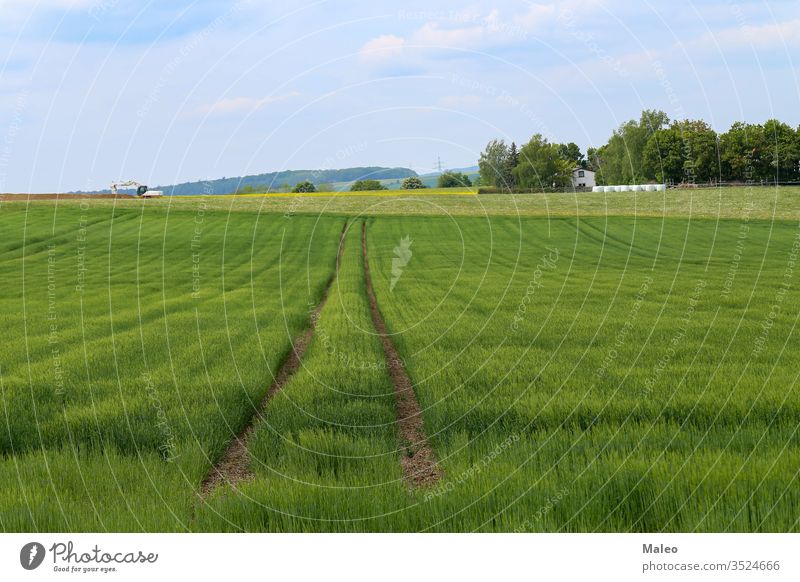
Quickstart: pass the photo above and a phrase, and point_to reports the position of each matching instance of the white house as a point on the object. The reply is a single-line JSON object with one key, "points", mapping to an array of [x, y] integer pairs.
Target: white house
{"points": [[583, 178]]}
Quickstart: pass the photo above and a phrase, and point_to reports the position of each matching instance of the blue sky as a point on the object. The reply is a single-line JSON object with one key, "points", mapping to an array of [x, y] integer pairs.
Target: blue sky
{"points": [[163, 92]]}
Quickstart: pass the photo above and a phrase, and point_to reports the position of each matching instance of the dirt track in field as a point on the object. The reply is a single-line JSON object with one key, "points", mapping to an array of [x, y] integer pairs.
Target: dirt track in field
{"points": [[420, 468], [235, 464]]}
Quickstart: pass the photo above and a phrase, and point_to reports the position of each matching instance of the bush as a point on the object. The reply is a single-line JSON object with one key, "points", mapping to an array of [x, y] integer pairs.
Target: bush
{"points": [[303, 187], [363, 185], [412, 183], [454, 180]]}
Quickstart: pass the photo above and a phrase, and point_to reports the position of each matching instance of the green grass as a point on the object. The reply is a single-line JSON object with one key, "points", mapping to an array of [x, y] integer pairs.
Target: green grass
{"points": [[766, 203], [326, 456], [149, 371], [584, 364], [625, 376]]}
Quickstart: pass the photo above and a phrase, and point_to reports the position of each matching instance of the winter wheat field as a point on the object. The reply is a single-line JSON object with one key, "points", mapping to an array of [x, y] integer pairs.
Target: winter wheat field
{"points": [[529, 363]]}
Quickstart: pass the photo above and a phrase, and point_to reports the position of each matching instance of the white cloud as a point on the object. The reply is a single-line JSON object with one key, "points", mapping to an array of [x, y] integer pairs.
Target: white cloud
{"points": [[764, 36], [240, 104], [539, 17], [646, 63], [472, 30], [382, 48], [432, 34]]}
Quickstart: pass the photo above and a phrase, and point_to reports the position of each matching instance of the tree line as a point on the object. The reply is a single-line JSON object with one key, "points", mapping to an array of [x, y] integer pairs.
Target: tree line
{"points": [[651, 149], [448, 179]]}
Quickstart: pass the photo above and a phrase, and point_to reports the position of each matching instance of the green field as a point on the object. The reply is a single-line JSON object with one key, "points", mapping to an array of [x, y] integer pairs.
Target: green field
{"points": [[607, 362], [782, 203]]}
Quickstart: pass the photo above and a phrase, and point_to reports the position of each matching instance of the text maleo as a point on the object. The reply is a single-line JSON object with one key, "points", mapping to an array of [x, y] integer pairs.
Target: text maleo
{"points": [[659, 549]]}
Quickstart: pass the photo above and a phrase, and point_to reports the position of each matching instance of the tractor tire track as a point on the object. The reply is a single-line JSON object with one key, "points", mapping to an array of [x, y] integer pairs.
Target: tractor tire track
{"points": [[420, 468], [235, 464]]}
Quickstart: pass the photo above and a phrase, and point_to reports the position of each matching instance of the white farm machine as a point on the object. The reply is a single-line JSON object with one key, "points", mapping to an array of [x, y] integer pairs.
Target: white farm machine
{"points": [[142, 191]]}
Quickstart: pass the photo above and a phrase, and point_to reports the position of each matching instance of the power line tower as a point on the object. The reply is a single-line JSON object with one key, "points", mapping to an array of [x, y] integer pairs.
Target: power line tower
{"points": [[439, 163]]}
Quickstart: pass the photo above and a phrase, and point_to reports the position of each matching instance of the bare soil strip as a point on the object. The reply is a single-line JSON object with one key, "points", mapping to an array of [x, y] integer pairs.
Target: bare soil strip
{"points": [[35, 197], [420, 468], [234, 465]]}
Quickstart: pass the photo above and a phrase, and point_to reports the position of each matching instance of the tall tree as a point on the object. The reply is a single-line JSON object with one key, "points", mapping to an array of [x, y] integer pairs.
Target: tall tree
{"points": [[572, 153], [745, 153], [663, 156], [511, 163], [513, 155], [452, 179], [541, 165], [593, 161], [493, 165], [784, 150], [686, 152], [700, 163], [621, 158], [740, 148]]}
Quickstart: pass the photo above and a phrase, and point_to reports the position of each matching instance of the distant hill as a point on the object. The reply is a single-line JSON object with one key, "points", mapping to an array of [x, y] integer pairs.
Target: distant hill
{"points": [[430, 179], [280, 180], [469, 170]]}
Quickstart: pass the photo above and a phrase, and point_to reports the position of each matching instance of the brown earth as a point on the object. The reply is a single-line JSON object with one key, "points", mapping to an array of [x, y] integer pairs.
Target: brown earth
{"points": [[420, 468], [34, 197]]}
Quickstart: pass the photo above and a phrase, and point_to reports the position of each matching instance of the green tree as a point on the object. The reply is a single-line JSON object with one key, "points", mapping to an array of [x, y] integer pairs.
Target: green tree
{"points": [[412, 183], [736, 153], [542, 166], [620, 160], [494, 165], [513, 156], [304, 186], [593, 160], [700, 151], [686, 152], [246, 190], [453, 180], [365, 185], [745, 152], [511, 163], [325, 187], [663, 156], [572, 153], [784, 150]]}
